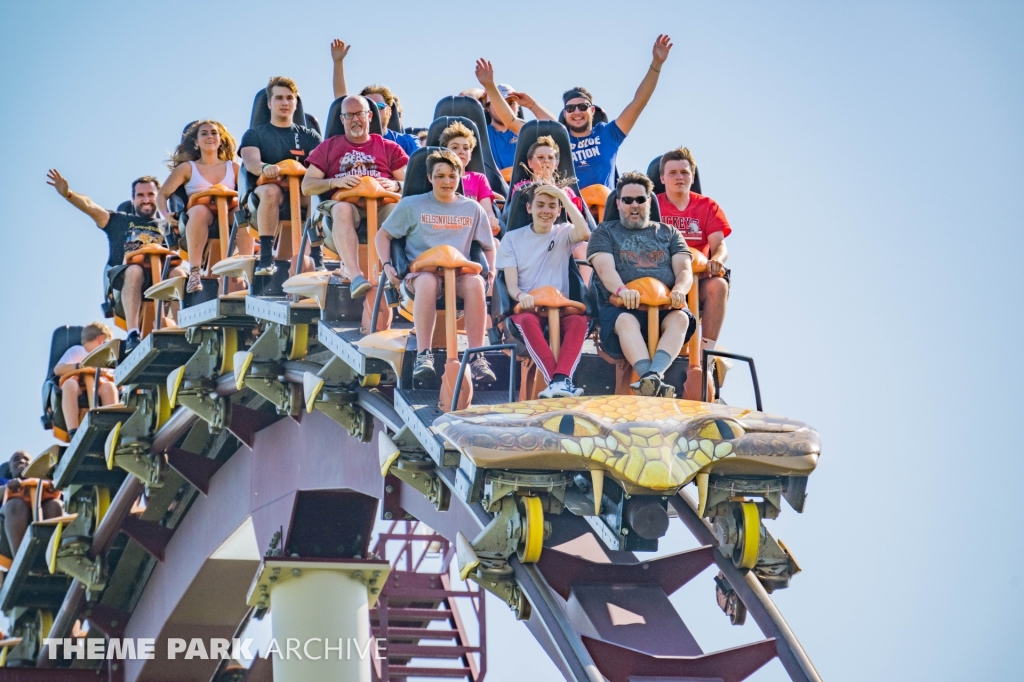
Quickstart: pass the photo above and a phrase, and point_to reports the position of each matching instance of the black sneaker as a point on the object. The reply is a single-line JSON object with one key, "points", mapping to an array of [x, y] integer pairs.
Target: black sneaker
{"points": [[651, 385], [482, 369], [132, 342], [316, 254], [265, 270], [424, 367]]}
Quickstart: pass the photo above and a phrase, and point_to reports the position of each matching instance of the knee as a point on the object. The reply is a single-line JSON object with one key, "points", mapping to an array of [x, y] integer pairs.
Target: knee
{"points": [[52, 509], [425, 286], [343, 214], [133, 275], [626, 325], [199, 215], [71, 389], [714, 289], [270, 195], [16, 508]]}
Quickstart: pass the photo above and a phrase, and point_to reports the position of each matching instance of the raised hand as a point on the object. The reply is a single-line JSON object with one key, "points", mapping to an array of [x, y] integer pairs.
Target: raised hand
{"points": [[484, 72], [524, 99], [56, 180], [339, 50], [662, 46]]}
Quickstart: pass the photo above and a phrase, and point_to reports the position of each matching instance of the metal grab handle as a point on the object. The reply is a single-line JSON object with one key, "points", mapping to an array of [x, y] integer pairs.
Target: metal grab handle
{"points": [[481, 349], [376, 301], [732, 356]]}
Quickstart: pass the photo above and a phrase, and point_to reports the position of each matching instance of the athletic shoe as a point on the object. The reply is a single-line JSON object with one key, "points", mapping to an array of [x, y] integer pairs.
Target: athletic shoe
{"points": [[651, 385], [195, 282], [562, 388], [265, 270], [424, 367], [316, 254], [359, 286], [482, 369], [132, 342]]}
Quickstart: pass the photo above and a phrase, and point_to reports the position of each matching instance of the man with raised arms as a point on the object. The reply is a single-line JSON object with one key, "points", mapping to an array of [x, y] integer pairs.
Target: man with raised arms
{"points": [[536, 256], [338, 163], [625, 250], [503, 103], [261, 149], [380, 95], [595, 146], [441, 216], [125, 233], [703, 224]]}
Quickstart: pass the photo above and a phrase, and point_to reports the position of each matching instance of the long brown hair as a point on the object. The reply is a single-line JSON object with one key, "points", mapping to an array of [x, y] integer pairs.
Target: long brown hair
{"points": [[188, 150]]}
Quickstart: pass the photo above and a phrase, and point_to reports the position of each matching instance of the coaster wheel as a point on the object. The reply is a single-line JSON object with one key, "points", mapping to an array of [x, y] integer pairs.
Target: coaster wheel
{"points": [[532, 542], [228, 348], [748, 543], [300, 342]]}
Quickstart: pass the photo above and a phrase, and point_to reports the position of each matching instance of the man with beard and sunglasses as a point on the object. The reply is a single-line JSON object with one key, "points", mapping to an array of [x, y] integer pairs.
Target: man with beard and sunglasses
{"points": [[125, 232], [625, 250], [595, 146], [338, 163]]}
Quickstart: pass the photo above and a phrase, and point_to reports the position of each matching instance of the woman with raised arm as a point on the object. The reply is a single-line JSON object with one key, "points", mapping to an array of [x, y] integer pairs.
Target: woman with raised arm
{"points": [[460, 139], [503, 104], [203, 159]]}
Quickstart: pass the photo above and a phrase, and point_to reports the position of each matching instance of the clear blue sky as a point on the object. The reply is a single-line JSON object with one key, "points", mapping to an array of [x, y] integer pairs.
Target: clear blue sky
{"points": [[867, 155]]}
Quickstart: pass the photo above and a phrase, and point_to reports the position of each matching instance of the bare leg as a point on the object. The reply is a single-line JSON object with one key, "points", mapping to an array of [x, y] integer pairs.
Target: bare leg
{"points": [[17, 516], [197, 232], [52, 509], [424, 309], [131, 295], [631, 339], [271, 198], [673, 333], [243, 241], [345, 220], [108, 393], [69, 394], [471, 291], [714, 294]]}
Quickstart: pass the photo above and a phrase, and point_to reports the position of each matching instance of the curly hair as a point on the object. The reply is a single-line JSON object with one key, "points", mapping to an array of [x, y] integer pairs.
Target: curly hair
{"points": [[188, 150], [458, 129], [382, 90]]}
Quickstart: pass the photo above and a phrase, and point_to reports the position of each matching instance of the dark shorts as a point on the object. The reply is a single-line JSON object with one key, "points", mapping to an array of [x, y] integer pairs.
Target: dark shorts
{"points": [[115, 282], [607, 315]]}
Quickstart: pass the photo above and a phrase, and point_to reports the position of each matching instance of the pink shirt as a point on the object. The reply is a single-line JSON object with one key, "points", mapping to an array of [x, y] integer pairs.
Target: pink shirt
{"points": [[476, 187]]}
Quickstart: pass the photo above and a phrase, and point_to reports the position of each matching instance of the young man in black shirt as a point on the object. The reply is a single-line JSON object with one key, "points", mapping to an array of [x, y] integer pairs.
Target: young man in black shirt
{"points": [[125, 232], [261, 149]]}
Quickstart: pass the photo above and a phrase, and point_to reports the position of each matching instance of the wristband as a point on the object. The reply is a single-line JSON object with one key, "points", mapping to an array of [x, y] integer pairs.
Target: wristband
{"points": [[618, 292], [385, 264]]}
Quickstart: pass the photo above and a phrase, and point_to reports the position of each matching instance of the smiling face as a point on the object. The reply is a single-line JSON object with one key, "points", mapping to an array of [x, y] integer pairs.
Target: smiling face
{"points": [[634, 215], [545, 209], [677, 176], [144, 200], [543, 162], [208, 138], [355, 117], [580, 122], [19, 461], [282, 102], [445, 180], [462, 148]]}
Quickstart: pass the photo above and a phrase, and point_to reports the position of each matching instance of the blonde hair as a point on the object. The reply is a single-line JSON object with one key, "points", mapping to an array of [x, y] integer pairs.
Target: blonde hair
{"points": [[95, 330], [382, 90], [283, 82], [544, 141], [188, 150], [455, 130]]}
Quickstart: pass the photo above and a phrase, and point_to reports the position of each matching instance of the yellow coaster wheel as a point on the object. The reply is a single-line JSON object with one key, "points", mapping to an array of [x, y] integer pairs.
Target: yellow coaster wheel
{"points": [[300, 342], [748, 542], [228, 348], [532, 542]]}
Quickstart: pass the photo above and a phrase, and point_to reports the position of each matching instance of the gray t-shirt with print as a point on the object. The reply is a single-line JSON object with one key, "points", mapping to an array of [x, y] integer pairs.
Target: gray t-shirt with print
{"points": [[426, 222], [541, 259], [646, 252]]}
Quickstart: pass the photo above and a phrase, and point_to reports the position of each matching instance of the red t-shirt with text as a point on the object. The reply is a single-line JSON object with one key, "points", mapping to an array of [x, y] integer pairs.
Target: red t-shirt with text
{"points": [[337, 157], [700, 218]]}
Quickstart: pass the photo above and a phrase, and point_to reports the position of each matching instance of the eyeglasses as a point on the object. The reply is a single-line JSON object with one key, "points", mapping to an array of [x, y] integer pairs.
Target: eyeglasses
{"points": [[358, 114], [629, 200], [381, 105], [569, 108]]}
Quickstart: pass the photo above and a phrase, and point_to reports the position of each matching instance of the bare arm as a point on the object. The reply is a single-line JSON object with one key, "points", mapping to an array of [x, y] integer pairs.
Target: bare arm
{"points": [[512, 284], [252, 160], [67, 368], [99, 215], [534, 106], [338, 52], [383, 243], [719, 253], [604, 266], [181, 174], [485, 74], [314, 182], [580, 228], [627, 119], [684, 279]]}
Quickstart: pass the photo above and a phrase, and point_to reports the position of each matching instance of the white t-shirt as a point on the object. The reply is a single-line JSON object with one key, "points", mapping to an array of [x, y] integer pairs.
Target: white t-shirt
{"points": [[73, 355], [541, 259]]}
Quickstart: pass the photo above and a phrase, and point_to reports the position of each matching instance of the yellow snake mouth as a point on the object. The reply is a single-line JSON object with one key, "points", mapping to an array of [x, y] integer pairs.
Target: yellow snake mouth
{"points": [[653, 443]]}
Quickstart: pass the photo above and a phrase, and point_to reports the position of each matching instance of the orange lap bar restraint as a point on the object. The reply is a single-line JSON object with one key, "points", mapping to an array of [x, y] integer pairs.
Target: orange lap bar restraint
{"points": [[30, 487], [83, 372], [550, 297], [289, 167], [444, 257], [207, 196]]}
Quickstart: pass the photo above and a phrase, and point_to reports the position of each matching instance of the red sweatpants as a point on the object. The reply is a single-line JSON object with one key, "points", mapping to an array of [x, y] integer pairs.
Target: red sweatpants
{"points": [[574, 331]]}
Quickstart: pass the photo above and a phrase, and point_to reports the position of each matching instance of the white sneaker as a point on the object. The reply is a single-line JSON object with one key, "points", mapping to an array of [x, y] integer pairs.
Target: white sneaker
{"points": [[560, 389]]}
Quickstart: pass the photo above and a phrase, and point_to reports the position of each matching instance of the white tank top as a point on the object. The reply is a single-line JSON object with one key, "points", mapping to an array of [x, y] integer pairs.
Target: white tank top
{"points": [[197, 182]]}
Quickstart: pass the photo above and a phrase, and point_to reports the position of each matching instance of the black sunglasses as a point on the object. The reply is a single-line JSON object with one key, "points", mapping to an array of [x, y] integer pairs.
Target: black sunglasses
{"points": [[629, 200], [569, 108]]}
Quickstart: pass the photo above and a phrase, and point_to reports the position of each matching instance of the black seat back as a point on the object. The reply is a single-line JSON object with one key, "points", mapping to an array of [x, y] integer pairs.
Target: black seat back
{"points": [[476, 161], [62, 339], [611, 209], [395, 122], [654, 173], [334, 124], [467, 107]]}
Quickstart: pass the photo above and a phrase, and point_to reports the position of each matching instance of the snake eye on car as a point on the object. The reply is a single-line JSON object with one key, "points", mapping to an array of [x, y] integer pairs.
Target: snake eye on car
{"points": [[721, 429], [568, 425]]}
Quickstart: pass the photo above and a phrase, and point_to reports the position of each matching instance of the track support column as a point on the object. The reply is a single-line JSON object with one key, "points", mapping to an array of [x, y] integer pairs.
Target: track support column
{"points": [[315, 603]]}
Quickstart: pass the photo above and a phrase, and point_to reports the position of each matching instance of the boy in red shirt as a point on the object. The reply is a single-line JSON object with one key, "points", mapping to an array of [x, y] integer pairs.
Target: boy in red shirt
{"points": [[704, 226]]}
